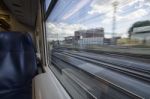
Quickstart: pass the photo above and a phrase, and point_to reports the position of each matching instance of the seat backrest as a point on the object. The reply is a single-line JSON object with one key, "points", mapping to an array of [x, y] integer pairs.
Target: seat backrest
{"points": [[17, 61]]}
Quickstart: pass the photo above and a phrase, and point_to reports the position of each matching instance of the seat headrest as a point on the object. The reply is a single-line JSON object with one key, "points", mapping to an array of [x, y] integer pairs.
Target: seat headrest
{"points": [[15, 41]]}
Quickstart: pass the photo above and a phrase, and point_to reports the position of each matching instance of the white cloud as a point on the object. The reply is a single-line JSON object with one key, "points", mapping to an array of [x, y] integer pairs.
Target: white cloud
{"points": [[128, 17], [105, 6], [107, 21], [75, 9], [61, 30], [148, 3], [99, 9], [123, 22], [135, 15]]}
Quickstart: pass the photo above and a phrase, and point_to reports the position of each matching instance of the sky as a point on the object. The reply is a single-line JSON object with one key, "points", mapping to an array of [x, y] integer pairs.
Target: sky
{"points": [[71, 15]]}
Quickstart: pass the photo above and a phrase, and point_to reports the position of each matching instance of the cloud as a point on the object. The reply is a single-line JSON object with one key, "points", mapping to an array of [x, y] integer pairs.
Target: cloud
{"points": [[135, 1], [134, 15], [61, 30], [105, 6], [123, 22], [100, 7], [137, 14], [75, 9], [148, 4]]}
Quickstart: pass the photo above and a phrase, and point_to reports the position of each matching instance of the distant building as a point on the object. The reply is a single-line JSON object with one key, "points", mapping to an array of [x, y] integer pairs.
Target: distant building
{"points": [[107, 41], [142, 34], [69, 39], [90, 36], [90, 33]]}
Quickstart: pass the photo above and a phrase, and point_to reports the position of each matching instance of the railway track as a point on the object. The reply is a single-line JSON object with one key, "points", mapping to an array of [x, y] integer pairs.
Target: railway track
{"points": [[118, 88], [136, 73], [74, 61], [139, 58], [129, 64], [142, 57]]}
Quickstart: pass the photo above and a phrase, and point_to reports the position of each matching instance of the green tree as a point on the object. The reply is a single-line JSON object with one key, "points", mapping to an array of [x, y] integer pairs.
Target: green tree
{"points": [[138, 24]]}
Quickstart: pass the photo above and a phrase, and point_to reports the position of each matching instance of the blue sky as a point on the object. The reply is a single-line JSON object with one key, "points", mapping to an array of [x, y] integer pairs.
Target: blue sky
{"points": [[71, 15]]}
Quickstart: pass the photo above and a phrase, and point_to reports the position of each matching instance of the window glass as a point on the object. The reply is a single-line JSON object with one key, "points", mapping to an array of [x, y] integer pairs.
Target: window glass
{"points": [[47, 3], [122, 22], [84, 35]]}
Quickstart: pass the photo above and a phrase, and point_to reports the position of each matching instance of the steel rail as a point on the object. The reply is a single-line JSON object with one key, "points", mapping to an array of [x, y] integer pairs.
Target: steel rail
{"points": [[125, 91], [139, 69], [133, 73]]}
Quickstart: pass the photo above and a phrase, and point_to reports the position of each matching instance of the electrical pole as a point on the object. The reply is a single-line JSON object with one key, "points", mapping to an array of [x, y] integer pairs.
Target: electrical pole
{"points": [[114, 4]]}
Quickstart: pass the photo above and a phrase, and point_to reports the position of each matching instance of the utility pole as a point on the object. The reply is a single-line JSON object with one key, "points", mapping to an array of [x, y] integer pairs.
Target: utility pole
{"points": [[114, 4]]}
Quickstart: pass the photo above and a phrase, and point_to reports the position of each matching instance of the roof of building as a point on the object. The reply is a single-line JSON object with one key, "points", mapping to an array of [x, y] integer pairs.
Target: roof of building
{"points": [[141, 29]]}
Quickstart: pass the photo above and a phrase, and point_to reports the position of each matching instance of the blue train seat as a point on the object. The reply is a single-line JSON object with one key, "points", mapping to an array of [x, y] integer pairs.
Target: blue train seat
{"points": [[17, 65]]}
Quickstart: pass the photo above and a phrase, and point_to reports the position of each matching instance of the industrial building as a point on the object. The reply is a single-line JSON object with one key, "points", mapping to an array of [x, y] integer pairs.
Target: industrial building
{"points": [[69, 39], [91, 36], [98, 32], [142, 34]]}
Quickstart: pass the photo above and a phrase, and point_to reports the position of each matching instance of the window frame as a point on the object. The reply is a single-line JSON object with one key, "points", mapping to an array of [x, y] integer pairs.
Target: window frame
{"points": [[50, 8], [45, 15]]}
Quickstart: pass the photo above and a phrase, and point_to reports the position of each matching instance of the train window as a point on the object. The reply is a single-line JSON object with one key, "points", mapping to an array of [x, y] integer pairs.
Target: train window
{"points": [[97, 46], [47, 3], [95, 22]]}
